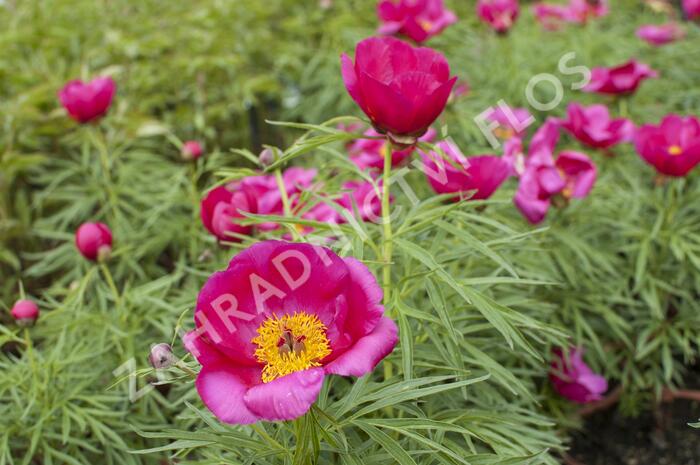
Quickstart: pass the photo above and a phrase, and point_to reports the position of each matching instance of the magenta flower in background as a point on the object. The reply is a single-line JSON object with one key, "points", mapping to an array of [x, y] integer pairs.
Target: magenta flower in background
{"points": [[419, 20], [402, 89], [86, 102], [25, 312], [224, 207], [545, 180], [514, 155], [276, 322], [192, 150], [368, 154], [593, 126], [511, 121], [94, 241], [673, 147], [658, 35], [460, 90], [575, 380], [551, 16], [623, 79], [362, 196], [483, 174], [499, 14], [692, 9]]}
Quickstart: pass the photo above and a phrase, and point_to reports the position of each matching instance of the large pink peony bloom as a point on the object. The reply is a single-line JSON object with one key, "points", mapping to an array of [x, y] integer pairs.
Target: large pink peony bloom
{"points": [[593, 126], [86, 102], [94, 241], [658, 35], [673, 147], [483, 174], [623, 79], [368, 154], [692, 9], [575, 380], [402, 89], [544, 179], [499, 14], [279, 319], [418, 20]]}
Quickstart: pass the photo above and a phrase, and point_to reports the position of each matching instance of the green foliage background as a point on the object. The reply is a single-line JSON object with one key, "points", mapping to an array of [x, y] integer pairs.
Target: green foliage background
{"points": [[481, 295]]}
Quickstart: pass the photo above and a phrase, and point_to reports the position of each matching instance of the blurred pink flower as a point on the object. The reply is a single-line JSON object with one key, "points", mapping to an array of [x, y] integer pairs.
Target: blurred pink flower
{"points": [[511, 121], [264, 355], [86, 102], [368, 154], [191, 150], [692, 9], [544, 179], [623, 79], [575, 380], [551, 16], [499, 14], [402, 89], [25, 312], [481, 174], [223, 208], [593, 126], [418, 20], [94, 241], [673, 147], [658, 35]]}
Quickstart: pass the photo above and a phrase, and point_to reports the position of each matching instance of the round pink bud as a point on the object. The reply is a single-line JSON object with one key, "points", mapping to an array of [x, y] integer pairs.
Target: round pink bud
{"points": [[94, 241], [161, 356], [25, 312], [191, 150], [267, 157]]}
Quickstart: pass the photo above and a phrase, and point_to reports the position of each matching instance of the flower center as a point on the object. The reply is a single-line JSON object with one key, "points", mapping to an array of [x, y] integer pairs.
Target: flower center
{"points": [[426, 25], [290, 343], [504, 132], [675, 150]]}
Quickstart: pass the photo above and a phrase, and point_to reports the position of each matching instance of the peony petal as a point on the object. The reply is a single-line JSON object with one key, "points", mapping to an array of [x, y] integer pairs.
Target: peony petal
{"points": [[285, 398], [367, 352], [222, 388]]}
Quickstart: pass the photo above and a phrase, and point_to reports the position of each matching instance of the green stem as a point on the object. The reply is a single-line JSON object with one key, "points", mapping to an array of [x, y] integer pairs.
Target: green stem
{"points": [[285, 201], [110, 282], [387, 242]]}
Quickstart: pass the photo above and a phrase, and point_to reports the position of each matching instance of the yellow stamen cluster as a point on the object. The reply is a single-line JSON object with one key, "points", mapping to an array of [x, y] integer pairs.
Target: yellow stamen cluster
{"points": [[426, 25], [290, 343], [675, 150]]}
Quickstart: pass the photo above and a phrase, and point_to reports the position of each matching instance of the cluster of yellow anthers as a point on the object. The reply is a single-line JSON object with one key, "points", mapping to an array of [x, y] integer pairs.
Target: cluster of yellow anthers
{"points": [[290, 343]]}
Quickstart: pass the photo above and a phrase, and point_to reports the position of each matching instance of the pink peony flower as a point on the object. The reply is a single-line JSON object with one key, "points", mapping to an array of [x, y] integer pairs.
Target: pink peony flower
{"points": [[362, 196], [511, 121], [658, 35], [94, 241], [593, 126], [576, 11], [402, 89], [483, 174], [191, 150], [276, 322], [692, 9], [544, 179], [223, 208], [575, 380], [499, 14], [25, 312], [368, 154], [419, 20], [514, 155], [623, 79], [673, 147], [87, 102], [461, 89]]}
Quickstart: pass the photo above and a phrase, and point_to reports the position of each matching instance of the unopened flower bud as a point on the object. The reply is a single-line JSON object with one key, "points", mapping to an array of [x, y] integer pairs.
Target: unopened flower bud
{"points": [[191, 150], [25, 312], [267, 157], [161, 356], [94, 241]]}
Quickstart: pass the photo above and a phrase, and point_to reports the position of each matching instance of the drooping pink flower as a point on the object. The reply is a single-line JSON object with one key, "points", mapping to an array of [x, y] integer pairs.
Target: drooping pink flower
{"points": [[593, 126], [25, 312], [87, 102], [94, 241], [279, 319], [575, 380], [223, 209], [499, 14], [545, 180], [658, 35], [511, 121], [192, 150], [402, 89], [481, 174], [368, 154], [551, 16], [623, 79], [514, 155], [673, 147], [692, 9], [419, 20]]}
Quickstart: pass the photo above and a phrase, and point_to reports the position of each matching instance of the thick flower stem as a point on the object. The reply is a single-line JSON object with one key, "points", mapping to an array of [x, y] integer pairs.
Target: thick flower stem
{"points": [[285, 201], [110, 283], [387, 244]]}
